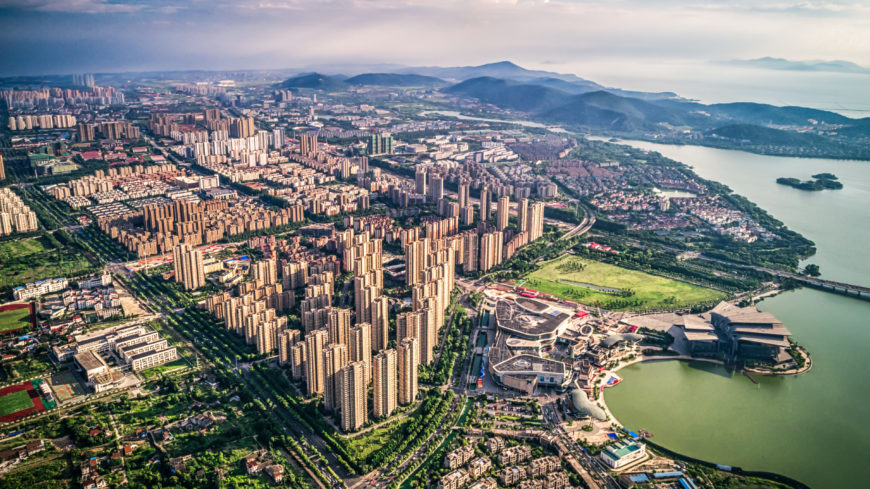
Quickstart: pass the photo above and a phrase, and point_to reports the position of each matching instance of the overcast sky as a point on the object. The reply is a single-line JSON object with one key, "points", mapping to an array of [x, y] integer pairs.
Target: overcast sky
{"points": [[64, 36]]}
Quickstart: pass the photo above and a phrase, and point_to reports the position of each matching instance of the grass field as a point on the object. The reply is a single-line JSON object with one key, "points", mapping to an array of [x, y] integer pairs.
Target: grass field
{"points": [[180, 363], [33, 259], [628, 289], [23, 247], [363, 445], [14, 402], [14, 319]]}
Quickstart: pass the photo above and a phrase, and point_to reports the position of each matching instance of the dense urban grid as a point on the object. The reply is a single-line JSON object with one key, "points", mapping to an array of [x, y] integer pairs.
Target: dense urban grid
{"points": [[234, 280]]}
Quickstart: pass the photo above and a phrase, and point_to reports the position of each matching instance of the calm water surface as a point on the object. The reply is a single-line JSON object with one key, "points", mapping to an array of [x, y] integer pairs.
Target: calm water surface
{"points": [[814, 427]]}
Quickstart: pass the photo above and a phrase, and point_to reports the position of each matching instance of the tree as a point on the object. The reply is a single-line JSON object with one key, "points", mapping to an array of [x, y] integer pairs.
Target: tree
{"points": [[811, 270]]}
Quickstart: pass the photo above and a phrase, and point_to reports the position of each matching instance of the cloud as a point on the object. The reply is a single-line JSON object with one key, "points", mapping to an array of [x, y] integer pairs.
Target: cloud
{"points": [[72, 6], [285, 33]]}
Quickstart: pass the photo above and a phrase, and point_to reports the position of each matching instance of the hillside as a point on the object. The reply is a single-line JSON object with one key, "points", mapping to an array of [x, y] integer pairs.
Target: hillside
{"points": [[752, 134], [315, 81], [395, 80], [509, 95]]}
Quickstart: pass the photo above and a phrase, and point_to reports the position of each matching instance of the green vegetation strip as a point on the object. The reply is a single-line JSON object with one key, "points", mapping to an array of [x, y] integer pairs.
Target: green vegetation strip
{"points": [[631, 289]]}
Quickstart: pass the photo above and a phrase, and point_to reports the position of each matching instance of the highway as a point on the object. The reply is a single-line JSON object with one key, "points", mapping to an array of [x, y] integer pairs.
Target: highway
{"points": [[584, 226]]}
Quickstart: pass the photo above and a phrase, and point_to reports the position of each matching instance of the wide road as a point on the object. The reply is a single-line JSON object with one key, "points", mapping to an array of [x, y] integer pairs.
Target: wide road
{"points": [[584, 226]]}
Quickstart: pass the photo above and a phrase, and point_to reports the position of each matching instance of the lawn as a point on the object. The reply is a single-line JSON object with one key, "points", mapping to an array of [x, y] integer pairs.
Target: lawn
{"points": [[624, 289], [363, 445], [180, 363], [33, 259], [14, 319], [14, 402], [23, 247]]}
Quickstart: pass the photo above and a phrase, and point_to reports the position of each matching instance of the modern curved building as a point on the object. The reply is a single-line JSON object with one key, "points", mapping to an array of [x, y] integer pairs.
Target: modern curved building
{"points": [[524, 372], [528, 319]]}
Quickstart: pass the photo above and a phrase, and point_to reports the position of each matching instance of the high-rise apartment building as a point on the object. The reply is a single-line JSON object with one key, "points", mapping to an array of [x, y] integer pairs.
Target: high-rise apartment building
{"points": [[334, 359], [380, 323], [484, 204], [188, 266], [491, 246], [471, 254], [265, 271], [415, 260], [384, 379], [420, 181], [308, 143], [361, 346], [380, 143], [463, 194], [353, 397], [85, 132], [408, 326], [536, 221], [286, 340], [339, 326], [408, 361], [298, 357], [315, 342], [278, 138], [502, 213], [523, 215], [436, 188]]}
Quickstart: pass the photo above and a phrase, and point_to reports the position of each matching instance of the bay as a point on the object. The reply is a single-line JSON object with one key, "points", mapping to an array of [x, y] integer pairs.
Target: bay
{"points": [[811, 427]]}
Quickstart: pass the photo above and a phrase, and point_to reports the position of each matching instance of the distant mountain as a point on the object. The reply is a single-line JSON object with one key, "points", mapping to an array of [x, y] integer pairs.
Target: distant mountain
{"points": [[315, 81], [395, 80], [607, 111], [758, 135], [509, 94], [768, 63], [771, 114]]}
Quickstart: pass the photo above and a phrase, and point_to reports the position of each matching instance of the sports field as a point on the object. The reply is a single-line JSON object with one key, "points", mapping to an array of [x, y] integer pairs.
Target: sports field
{"points": [[614, 288], [19, 401], [13, 319], [65, 386], [14, 402]]}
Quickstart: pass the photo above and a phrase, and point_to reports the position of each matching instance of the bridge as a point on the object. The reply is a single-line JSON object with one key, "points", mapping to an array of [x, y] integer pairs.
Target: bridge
{"points": [[584, 226], [851, 290]]}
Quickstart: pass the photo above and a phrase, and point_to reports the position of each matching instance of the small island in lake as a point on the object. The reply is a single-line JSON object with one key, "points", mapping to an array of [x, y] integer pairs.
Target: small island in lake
{"points": [[822, 181]]}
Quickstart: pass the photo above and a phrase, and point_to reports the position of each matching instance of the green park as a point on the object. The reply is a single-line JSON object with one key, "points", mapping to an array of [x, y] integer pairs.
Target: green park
{"points": [[615, 288]]}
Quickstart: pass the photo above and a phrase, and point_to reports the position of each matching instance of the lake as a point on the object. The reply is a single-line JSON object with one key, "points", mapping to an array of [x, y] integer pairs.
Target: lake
{"points": [[813, 427]]}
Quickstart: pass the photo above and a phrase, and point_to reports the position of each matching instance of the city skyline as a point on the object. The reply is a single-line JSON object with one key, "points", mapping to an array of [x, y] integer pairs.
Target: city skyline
{"points": [[265, 35]]}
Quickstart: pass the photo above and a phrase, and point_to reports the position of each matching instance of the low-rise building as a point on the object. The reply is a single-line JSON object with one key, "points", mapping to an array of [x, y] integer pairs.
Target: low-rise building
{"points": [[38, 288], [458, 457], [514, 455], [488, 483], [454, 480], [479, 466], [494, 444], [543, 465], [622, 453], [511, 475]]}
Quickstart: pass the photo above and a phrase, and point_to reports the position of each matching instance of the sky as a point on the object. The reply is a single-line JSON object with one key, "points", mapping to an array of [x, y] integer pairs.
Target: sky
{"points": [[65, 36]]}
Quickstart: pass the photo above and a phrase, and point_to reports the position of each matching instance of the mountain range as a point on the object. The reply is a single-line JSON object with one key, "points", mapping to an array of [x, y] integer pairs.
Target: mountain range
{"points": [[769, 63], [584, 105]]}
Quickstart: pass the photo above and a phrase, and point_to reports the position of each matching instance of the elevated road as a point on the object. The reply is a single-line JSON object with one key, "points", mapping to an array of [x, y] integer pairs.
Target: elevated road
{"points": [[584, 226]]}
